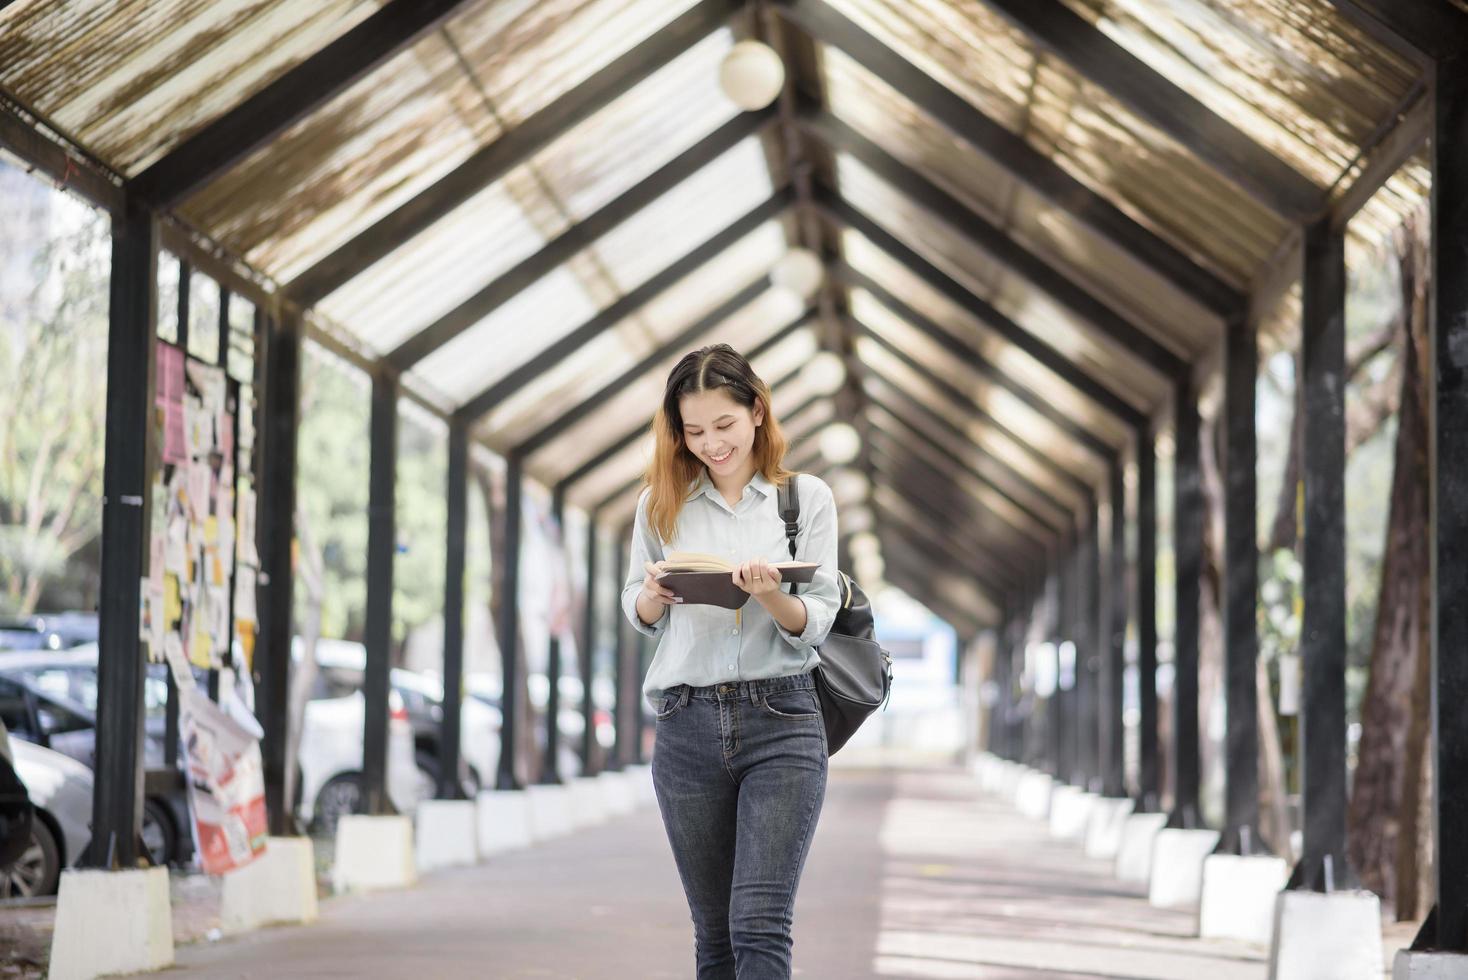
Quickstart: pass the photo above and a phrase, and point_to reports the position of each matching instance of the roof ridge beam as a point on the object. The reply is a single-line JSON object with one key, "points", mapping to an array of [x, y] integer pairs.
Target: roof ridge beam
{"points": [[220, 144], [959, 294], [1011, 152], [1155, 98], [574, 239], [978, 232], [662, 352], [629, 304], [492, 162]]}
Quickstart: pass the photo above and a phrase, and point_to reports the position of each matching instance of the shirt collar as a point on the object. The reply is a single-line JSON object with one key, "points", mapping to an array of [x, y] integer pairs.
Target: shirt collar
{"points": [[704, 486]]}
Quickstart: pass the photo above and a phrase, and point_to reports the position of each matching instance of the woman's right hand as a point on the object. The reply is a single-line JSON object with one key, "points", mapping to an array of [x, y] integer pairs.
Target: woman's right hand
{"points": [[654, 592]]}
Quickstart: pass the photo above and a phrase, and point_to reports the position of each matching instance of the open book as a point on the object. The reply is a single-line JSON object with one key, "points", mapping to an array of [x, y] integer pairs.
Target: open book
{"points": [[708, 579]]}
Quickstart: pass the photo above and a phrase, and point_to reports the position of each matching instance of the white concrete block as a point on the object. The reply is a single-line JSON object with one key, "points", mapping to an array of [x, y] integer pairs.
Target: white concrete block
{"points": [[373, 853], [617, 793], [1009, 785], [111, 922], [279, 886], [1032, 799], [1103, 832], [504, 821], [448, 834], [1176, 881], [1070, 810], [1411, 965], [1238, 897], [588, 803], [1134, 856], [550, 812], [1334, 936]]}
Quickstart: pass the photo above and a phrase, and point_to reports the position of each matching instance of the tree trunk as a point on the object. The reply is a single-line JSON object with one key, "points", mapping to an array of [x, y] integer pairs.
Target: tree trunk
{"points": [[311, 575], [1274, 809], [1382, 815]]}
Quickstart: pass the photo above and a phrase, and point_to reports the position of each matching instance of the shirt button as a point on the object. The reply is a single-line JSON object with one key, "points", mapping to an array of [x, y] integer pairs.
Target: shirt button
{"points": [[731, 666], [734, 632]]}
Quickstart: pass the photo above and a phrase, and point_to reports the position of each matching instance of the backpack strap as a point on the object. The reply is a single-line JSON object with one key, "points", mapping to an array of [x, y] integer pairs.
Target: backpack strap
{"points": [[789, 504]]}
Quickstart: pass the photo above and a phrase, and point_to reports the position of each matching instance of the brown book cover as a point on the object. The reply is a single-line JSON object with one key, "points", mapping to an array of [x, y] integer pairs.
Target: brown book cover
{"points": [[717, 588]]}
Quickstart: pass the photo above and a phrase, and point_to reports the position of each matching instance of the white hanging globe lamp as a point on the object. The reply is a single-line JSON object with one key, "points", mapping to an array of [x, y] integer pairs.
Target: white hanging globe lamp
{"points": [[800, 271], [840, 443], [752, 75], [824, 373]]}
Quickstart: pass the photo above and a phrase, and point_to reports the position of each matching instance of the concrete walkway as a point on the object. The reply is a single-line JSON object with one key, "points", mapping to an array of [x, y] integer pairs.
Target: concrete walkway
{"points": [[912, 874]]}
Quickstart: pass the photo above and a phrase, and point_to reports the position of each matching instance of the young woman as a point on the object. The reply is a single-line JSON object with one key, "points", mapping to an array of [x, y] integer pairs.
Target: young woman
{"points": [[740, 758]]}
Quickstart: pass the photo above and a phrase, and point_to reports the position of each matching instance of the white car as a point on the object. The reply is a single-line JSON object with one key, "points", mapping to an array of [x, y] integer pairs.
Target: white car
{"points": [[60, 789], [331, 752]]}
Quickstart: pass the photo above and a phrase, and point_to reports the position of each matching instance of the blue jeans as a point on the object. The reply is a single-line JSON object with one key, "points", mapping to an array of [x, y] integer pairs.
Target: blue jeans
{"points": [[740, 774]]}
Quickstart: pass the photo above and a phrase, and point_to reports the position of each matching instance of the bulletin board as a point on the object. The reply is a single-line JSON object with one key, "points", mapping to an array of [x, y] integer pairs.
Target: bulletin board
{"points": [[199, 594]]}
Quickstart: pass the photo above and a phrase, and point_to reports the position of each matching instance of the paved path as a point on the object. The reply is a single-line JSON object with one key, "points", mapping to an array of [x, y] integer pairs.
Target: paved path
{"points": [[912, 874]]}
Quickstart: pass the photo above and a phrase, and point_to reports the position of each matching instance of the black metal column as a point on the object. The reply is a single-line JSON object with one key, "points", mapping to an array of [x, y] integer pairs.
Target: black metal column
{"points": [[117, 800], [1449, 507], [1054, 725], [509, 624], [622, 714], [381, 549], [1088, 676], [1149, 782], [550, 772], [1323, 632], [1113, 726], [457, 527], [276, 510], [1188, 562], [1240, 590], [588, 653]]}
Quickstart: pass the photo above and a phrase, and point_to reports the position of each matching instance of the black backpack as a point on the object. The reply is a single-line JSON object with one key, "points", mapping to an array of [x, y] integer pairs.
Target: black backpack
{"points": [[854, 678], [16, 815]]}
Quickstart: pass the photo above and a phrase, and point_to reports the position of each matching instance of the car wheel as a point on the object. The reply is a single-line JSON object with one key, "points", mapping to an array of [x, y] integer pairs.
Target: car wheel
{"points": [[342, 795], [37, 870], [160, 839]]}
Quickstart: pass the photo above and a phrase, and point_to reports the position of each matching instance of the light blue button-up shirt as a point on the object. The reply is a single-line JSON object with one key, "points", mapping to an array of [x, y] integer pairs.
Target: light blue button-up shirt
{"points": [[703, 645]]}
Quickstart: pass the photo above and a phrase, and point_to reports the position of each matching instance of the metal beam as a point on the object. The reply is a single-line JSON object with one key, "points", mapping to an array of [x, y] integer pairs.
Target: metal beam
{"points": [[1002, 476], [1448, 402], [587, 651], [959, 294], [1241, 589], [997, 243], [117, 801], [1155, 98], [928, 565], [509, 624], [669, 348], [575, 239], [1187, 523], [222, 143], [1010, 151], [381, 550], [1113, 675], [965, 354], [973, 410], [1423, 30], [280, 412], [550, 769], [921, 584], [1323, 632], [939, 546], [494, 161], [456, 552], [625, 307], [1149, 781]]}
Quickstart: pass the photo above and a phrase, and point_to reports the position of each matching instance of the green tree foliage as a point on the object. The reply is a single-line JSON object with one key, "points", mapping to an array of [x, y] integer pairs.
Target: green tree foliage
{"points": [[52, 355]]}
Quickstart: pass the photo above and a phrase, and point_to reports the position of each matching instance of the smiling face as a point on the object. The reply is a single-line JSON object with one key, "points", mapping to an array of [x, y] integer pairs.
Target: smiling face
{"points": [[719, 432]]}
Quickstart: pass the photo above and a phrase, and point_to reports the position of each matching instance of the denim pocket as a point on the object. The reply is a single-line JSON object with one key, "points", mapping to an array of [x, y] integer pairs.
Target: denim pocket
{"points": [[671, 704], [794, 705]]}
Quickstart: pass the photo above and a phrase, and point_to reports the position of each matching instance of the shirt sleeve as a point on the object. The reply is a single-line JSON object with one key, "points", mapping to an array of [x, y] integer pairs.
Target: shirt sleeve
{"points": [[645, 548], [816, 542]]}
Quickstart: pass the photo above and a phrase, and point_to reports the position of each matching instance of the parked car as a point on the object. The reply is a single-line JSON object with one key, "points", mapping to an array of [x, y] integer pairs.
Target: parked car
{"points": [[60, 789], [54, 631], [485, 689], [343, 665], [36, 706]]}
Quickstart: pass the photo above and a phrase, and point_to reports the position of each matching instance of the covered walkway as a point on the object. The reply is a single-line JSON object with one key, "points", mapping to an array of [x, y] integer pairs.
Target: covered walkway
{"points": [[914, 873]]}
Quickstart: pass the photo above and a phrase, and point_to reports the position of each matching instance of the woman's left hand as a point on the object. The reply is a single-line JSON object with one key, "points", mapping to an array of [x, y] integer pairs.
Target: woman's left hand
{"points": [[757, 578]]}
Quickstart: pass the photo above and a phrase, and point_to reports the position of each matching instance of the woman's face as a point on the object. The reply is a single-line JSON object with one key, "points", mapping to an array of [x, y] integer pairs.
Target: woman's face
{"points": [[720, 431]]}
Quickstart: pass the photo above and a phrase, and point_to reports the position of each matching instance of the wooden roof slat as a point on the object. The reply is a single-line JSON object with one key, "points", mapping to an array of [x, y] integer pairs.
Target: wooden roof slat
{"points": [[492, 162], [1010, 151], [268, 113]]}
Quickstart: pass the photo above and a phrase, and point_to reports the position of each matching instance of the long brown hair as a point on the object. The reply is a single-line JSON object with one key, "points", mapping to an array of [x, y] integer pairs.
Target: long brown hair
{"points": [[674, 468]]}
